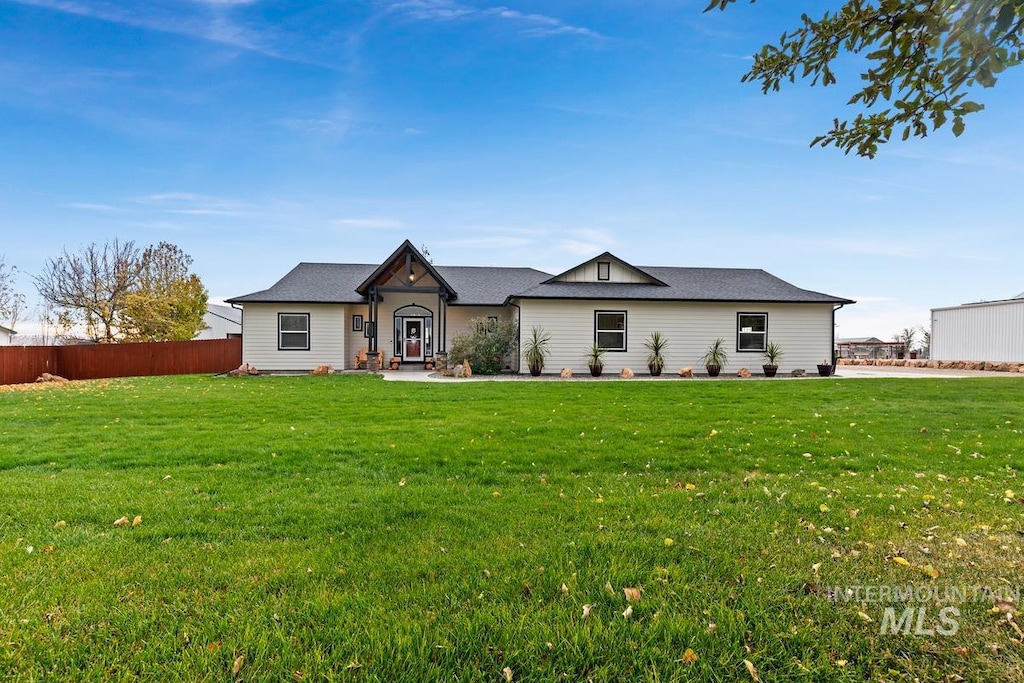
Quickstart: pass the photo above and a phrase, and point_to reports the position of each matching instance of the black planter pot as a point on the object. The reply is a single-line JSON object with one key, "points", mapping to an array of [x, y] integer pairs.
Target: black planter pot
{"points": [[596, 370], [713, 370], [535, 370], [655, 370], [770, 370], [824, 370]]}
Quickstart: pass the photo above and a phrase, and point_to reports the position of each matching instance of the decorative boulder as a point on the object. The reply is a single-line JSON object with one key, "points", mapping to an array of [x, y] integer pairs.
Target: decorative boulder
{"points": [[323, 370], [467, 369], [243, 369], [459, 370], [47, 377], [626, 373], [744, 373], [566, 373], [686, 372], [799, 372]]}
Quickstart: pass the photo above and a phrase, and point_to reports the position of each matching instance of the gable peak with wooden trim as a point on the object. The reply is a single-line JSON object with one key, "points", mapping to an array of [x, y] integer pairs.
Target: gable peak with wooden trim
{"points": [[606, 268]]}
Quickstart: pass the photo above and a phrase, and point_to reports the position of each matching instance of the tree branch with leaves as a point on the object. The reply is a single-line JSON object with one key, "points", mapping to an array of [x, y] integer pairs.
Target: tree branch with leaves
{"points": [[923, 59]]}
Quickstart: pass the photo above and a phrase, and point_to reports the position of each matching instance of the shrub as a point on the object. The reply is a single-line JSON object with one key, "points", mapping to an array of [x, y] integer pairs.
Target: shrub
{"points": [[486, 346]]}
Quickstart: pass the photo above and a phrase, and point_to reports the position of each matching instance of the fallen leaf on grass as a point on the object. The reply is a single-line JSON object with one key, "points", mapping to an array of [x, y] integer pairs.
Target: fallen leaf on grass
{"points": [[632, 594], [628, 612], [752, 670], [565, 589], [864, 617], [902, 561], [237, 666], [402, 482], [213, 647], [60, 524], [506, 673], [608, 588], [689, 657], [137, 521], [691, 487], [668, 542], [121, 521], [586, 610]]}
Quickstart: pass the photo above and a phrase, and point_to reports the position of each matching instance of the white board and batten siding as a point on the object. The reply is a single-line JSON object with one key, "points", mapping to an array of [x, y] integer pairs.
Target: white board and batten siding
{"points": [[803, 331], [990, 331], [328, 331]]}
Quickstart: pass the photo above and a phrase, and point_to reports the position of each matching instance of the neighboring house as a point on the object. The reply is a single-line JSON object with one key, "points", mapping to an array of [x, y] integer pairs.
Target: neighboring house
{"points": [[221, 322], [323, 313], [869, 348], [6, 335], [984, 331]]}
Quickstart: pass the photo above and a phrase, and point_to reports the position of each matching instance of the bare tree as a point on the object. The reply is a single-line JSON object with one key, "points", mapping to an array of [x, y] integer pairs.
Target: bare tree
{"points": [[89, 289], [906, 337], [11, 301]]}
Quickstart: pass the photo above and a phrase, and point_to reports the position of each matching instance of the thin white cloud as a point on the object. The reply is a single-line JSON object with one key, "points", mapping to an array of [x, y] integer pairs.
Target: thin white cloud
{"points": [[367, 224], [192, 204], [496, 242], [89, 206], [529, 25], [217, 28]]}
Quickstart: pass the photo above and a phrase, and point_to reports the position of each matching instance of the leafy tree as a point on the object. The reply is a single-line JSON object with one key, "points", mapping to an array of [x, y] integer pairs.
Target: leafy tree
{"points": [[169, 302], [923, 56], [487, 345], [11, 301], [116, 292]]}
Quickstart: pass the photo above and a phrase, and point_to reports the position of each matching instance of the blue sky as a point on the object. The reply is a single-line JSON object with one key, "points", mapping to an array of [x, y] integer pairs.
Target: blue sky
{"points": [[257, 134]]}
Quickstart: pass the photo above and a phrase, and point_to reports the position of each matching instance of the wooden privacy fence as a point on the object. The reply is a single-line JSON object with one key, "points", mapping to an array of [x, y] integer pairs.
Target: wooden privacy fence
{"points": [[20, 364]]}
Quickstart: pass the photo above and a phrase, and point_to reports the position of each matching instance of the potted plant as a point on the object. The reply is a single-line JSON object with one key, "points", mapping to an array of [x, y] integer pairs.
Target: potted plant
{"points": [[655, 345], [595, 359], [825, 368], [715, 357], [535, 351], [772, 354]]}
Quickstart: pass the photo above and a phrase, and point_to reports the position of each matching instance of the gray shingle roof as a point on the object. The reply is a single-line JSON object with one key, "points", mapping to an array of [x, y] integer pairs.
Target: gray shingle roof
{"points": [[688, 284], [477, 285], [322, 283]]}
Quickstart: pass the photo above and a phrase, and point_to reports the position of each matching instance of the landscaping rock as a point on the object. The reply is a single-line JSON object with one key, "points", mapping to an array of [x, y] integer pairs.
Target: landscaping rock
{"points": [[686, 372], [47, 377], [799, 372], [243, 369], [744, 373], [467, 369], [323, 370], [626, 373], [566, 373]]}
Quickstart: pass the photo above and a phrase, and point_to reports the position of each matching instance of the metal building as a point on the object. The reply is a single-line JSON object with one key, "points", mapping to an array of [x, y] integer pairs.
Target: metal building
{"points": [[984, 331]]}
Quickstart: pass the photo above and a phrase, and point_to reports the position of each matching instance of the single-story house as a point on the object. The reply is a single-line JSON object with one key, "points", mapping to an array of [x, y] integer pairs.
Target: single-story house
{"points": [[221, 322], [410, 309], [6, 335], [983, 331]]}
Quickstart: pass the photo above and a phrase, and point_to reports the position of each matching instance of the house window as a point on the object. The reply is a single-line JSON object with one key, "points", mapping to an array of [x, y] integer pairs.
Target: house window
{"points": [[293, 331], [357, 323], [610, 330], [751, 331], [604, 270]]}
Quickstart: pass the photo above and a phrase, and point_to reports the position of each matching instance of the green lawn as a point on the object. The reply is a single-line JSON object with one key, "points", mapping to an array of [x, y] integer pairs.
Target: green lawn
{"points": [[344, 528]]}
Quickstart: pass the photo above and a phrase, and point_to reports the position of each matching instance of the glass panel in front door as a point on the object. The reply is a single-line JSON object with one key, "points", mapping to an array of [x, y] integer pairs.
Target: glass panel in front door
{"points": [[413, 339]]}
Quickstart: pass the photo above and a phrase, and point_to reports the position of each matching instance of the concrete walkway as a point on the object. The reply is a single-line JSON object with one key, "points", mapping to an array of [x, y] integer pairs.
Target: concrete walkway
{"points": [[843, 372]]}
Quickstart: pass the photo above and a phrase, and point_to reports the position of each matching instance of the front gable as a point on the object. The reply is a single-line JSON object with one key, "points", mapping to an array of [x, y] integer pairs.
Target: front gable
{"points": [[606, 268], [406, 268]]}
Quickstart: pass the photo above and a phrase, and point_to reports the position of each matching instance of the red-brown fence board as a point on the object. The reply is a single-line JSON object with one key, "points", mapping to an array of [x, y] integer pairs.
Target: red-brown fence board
{"points": [[20, 364]]}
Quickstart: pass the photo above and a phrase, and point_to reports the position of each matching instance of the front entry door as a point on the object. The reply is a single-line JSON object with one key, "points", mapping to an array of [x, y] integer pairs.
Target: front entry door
{"points": [[413, 339]]}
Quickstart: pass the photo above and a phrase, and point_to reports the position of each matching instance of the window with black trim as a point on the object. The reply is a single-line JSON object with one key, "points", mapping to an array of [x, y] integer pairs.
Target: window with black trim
{"points": [[751, 331], [293, 331], [357, 323], [610, 330], [604, 270]]}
